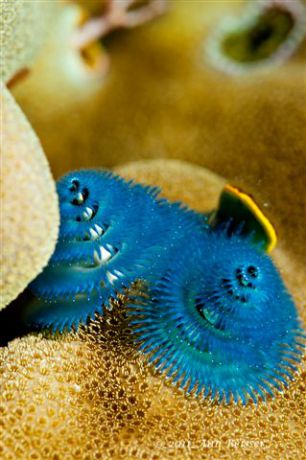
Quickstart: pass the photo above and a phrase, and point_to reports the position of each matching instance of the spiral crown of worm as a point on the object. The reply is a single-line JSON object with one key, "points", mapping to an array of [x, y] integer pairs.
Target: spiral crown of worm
{"points": [[219, 321], [112, 232]]}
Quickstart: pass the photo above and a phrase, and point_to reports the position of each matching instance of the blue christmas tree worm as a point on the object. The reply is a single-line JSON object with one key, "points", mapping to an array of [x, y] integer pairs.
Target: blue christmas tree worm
{"points": [[112, 233], [219, 321]]}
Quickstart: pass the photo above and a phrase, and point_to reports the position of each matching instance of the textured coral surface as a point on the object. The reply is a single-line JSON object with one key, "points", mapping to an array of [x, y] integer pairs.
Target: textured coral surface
{"points": [[29, 214], [91, 395], [23, 31]]}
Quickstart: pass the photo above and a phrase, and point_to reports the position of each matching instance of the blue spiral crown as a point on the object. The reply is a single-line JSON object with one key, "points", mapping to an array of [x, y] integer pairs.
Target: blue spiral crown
{"points": [[112, 232], [219, 320]]}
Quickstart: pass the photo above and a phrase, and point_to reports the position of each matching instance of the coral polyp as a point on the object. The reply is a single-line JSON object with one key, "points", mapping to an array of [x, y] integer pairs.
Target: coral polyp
{"points": [[219, 321], [268, 33], [112, 232]]}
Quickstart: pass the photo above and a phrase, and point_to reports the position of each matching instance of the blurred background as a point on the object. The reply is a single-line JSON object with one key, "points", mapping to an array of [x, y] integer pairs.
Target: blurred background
{"points": [[153, 91]]}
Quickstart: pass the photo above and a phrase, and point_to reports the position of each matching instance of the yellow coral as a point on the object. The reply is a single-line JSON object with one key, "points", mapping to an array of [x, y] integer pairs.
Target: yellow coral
{"points": [[91, 395], [29, 214], [23, 30]]}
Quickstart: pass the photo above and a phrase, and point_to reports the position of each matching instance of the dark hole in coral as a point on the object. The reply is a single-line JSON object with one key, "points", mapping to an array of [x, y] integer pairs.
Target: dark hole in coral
{"points": [[261, 40], [11, 323]]}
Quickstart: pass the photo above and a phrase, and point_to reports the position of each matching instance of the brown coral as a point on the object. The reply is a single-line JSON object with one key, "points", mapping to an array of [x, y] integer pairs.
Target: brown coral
{"points": [[90, 395], [23, 31], [29, 214]]}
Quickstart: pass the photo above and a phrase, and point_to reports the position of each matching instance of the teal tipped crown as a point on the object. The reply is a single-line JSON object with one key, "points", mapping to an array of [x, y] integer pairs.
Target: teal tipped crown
{"points": [[112, 232], [219, 321]]}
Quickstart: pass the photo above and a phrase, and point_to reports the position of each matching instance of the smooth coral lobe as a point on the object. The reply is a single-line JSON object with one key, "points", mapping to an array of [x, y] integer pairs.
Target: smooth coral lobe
{"points": [[112, 232], [219, 321]]}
